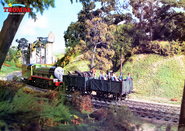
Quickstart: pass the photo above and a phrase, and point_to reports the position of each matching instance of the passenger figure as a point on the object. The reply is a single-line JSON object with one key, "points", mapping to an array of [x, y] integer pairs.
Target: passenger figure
{"points": [[93, 71], [114, 77], [121, 77], [102, 77], [109, 77], [129, 77]]}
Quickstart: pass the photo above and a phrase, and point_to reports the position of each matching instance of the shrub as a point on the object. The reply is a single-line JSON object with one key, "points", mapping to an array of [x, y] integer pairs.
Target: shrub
{"points": [[165, 48], [18, 65], [82, 103], [87, 56]]}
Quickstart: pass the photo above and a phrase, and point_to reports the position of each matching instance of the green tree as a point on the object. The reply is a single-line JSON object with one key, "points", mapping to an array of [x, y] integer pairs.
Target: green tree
{"points": [[127, 38], [76, 30], [100, 34], [170, 26], [153, 14]]}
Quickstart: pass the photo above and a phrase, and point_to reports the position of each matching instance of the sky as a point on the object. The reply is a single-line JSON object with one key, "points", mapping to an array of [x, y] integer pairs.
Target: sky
{"points": [[54, 19]]}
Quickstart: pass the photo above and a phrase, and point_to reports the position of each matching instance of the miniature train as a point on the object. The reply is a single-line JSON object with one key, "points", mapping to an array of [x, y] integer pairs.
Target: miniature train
{"points": [[50, 77]]}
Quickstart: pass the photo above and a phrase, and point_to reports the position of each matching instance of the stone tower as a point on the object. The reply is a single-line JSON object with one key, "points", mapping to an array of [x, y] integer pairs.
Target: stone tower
{"points": [[49, 49], [47, 52]]}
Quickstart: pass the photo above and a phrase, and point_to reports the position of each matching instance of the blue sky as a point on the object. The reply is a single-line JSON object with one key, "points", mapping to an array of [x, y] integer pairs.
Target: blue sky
{"points": [[54, 19]]}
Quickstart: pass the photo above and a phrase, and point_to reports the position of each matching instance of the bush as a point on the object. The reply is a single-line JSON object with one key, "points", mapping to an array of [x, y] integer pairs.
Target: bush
{"points": [[26, 111], [87, 56], [165, 48], [18, 65]]}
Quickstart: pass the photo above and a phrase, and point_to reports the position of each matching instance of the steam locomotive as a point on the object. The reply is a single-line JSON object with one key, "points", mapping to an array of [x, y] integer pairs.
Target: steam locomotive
{"points": [[44, 76], [50, 77]]}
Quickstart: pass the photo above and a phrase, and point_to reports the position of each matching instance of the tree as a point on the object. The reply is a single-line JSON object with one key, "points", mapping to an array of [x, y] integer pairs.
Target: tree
{"points": [[13, 55], [127, 37], [154, 13], [23, 47], [99, 34], [8, 32], [76, 30]]}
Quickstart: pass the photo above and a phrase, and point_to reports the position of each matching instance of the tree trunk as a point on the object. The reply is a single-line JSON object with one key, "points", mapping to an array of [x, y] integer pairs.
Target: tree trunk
{"points": [[182, 113], [151, 21], [92, 60], [7, 34]]}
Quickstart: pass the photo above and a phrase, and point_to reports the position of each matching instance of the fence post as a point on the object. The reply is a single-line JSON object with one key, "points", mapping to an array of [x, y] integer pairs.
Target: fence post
{"points": [[181, 126]]}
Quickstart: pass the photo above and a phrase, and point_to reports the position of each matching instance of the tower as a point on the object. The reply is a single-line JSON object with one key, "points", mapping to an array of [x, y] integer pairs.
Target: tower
{"points": [[49, 49]]}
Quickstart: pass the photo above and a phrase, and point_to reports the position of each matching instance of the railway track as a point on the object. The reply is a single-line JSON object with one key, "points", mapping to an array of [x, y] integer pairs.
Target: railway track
{"points": [[152, 111], [147, 110]]}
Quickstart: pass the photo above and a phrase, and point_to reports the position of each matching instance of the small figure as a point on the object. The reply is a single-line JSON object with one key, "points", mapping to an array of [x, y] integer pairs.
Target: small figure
{"points": [[102, 77], [93, 72], [129, 77], [109, 76], [114, 77], [121, 77]]}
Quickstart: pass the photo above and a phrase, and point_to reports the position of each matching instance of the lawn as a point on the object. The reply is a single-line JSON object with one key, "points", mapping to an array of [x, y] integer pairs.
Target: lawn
{"points": [[6, 70], [157, 78]]}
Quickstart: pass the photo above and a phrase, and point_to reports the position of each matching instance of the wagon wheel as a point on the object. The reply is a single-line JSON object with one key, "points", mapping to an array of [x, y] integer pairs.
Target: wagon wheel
{"points": [[68, 91], [42, 84], [101, 96], [123, 97], [79, 74], [45, 84], [89, 92], [114, 96]]}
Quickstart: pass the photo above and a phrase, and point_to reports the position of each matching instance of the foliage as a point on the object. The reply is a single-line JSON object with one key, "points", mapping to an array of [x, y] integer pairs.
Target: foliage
{"points": [[18, 65], [171, 26], [126, 38], [65, 59], [165, 48], [12, 67], [99, 34], [156, 15], [13, 55], [24, 109], [81, 103]]}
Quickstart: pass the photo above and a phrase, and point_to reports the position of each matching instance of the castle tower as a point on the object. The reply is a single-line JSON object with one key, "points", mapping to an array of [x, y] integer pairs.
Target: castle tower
{"points": [[49, 49]]}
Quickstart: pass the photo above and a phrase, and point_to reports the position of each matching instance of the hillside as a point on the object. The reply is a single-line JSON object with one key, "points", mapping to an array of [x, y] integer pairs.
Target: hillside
{"points": [[156, 78]]}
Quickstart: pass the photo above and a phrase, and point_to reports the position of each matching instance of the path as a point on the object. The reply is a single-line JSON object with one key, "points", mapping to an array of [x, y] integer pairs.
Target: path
{"points": [[10, 75]]}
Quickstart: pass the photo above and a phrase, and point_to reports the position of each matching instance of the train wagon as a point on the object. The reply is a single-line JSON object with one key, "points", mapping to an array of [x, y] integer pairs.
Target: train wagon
{"points": [[74, 82], [103, 88]]}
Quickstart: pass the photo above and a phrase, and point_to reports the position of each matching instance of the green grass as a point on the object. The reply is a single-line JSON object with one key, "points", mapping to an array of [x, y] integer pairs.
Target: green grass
{"points": [[6, 70], [157, 78], [78, 65]]}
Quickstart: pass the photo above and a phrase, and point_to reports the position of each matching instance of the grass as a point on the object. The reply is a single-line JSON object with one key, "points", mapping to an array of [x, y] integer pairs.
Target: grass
{"points": [[157, 78], [6, 70], [78, 65]]}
